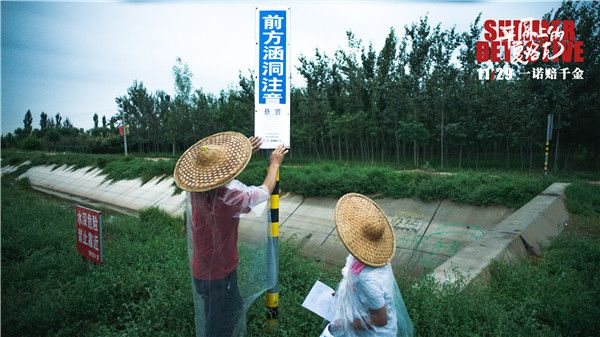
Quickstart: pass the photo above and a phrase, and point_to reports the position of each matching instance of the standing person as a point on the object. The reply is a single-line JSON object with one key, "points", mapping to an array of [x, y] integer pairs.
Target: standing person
{"points": [[368, 302], [215, 203]]}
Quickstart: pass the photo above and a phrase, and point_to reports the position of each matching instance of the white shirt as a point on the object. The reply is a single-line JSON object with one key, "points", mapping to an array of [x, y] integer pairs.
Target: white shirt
{"points": [[375, 290]]}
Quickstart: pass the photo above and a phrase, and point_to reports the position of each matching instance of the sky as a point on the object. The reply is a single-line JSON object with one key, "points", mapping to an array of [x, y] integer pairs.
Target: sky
{"points": [[75, 58]]}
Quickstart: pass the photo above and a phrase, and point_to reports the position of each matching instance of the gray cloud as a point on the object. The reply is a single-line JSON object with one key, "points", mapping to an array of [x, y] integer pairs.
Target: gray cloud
{"points": [[75, 58]]}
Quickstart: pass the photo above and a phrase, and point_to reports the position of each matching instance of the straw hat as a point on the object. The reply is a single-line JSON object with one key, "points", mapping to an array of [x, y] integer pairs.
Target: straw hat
{"points": [[364, 230], [212, 162]]}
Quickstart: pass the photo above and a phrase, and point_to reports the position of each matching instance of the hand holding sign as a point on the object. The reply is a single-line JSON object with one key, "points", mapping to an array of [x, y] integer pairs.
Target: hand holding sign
{"points": [[255, 141], [278, 154]]}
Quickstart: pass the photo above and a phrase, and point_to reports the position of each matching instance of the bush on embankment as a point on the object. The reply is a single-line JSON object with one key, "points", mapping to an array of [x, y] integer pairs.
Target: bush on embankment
{"points": [[326, 179]]}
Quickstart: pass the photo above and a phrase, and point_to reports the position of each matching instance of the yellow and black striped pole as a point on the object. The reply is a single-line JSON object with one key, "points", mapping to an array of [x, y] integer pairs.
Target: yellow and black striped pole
{"points": [[273, 293], [549, 127], [546, 158]]}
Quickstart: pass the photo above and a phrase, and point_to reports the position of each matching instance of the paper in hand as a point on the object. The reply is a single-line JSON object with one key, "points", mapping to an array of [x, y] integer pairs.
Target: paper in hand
{"points": [[320, 300]]}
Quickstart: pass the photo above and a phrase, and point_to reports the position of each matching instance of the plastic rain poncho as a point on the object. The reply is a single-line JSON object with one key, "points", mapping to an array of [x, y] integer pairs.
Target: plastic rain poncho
{"points": [[230, 255], [360, 290]]}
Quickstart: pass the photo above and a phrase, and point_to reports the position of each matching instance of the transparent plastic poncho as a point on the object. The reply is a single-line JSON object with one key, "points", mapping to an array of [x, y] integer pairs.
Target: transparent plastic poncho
{"points": [[356, 293], [231, 257]]}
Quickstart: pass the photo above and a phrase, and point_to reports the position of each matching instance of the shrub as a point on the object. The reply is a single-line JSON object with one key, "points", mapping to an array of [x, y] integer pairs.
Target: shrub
{"points": [[31, 143]]}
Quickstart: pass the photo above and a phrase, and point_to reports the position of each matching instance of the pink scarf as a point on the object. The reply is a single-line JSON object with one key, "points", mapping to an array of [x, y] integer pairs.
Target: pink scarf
{"points": [[357, 267]]}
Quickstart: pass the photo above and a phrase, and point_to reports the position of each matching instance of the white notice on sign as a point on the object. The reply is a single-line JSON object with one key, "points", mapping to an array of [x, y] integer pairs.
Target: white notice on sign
{"points": [[272, 125], [320, 300]]}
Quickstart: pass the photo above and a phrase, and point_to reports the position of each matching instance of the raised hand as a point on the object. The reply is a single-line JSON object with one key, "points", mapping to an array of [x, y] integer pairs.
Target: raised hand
{"points": [[255, 142], [278, 154]]}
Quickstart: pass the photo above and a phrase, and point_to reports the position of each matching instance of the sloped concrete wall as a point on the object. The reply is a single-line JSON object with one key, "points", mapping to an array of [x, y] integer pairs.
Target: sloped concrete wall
{"points": [[526, 232], [10, 168], [88, 183], [427, 233]]}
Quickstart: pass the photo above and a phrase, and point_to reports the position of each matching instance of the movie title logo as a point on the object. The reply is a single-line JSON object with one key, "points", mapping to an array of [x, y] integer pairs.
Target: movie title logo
{"points": [[528, 40], [519, 42]]}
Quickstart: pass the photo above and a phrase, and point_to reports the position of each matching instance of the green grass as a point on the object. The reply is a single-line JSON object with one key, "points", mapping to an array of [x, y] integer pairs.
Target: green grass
{"points": [[487, 164], [144, 287], [583, 198], [556, 295], [583, 202], [329, 178], [475, 188], [47, 291]]}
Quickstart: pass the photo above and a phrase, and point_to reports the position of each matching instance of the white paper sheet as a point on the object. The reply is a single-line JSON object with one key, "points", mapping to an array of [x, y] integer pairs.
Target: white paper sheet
{"points": [[320, 300]]}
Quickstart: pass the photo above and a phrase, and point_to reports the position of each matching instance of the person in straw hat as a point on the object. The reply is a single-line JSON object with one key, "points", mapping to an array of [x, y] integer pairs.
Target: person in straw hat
{"points": [[367, 301], [207, 170]]}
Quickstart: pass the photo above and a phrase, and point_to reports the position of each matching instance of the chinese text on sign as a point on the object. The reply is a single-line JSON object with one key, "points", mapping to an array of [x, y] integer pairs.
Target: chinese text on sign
{"points": [[272, 97], [89, 233]]}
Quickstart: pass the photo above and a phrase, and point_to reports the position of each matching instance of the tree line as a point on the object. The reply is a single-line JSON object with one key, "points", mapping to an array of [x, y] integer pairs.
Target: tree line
{"points": [[417, 101]]}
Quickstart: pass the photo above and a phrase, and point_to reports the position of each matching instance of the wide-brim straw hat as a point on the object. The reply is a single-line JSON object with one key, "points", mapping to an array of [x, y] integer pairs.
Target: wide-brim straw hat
{"points": [[364, 230], [212, 162]]}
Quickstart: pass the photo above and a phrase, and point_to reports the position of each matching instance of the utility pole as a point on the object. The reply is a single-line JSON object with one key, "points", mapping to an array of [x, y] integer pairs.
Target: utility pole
{"points": [[442, 139], [548, 138], [124, 131]]}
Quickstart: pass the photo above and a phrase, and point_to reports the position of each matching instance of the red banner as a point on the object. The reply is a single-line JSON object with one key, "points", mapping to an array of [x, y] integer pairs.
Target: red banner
{"points": [[89, 233], [123, 130]]}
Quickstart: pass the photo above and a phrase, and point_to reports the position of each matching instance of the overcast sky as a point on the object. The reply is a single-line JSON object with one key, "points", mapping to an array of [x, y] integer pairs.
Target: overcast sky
{"points": [[75, 58]]}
